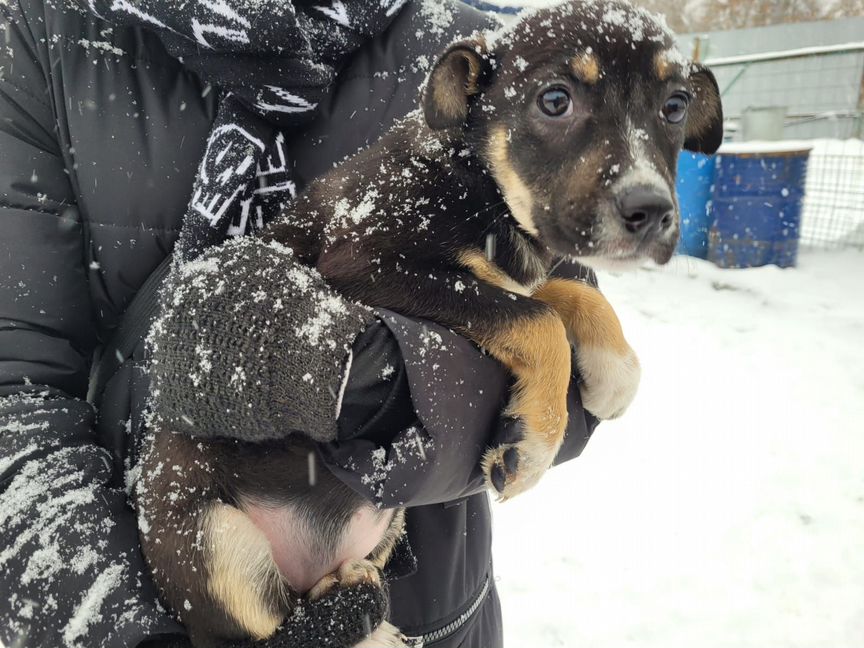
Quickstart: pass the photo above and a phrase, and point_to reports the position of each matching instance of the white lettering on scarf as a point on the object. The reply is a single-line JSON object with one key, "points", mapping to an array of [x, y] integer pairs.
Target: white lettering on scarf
{"points": [[294, 103], [220, 8]]}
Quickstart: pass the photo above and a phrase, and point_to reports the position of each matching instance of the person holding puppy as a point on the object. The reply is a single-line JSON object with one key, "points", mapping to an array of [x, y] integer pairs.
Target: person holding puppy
{"points": [[110, 122]]}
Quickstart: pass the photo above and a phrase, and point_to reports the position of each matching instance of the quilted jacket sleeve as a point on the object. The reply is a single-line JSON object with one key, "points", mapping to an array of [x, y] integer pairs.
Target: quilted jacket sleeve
{"points": [[70, 570]]}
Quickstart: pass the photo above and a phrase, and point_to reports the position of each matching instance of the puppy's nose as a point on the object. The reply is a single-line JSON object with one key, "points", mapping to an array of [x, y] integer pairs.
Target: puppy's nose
{"points": [[646, 210]]}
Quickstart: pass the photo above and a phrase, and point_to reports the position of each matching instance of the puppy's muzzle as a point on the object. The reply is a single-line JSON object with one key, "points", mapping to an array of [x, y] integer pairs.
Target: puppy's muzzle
{"points": [[647, 212]]}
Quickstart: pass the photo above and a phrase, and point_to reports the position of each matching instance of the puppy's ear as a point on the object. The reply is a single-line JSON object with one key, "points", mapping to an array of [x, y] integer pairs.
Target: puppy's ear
{"points": [[457, 75], [705, 118]]}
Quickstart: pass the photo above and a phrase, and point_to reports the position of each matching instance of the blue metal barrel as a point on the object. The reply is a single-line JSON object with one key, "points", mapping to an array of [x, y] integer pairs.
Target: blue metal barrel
{"points": [[757, 208], [693, 186]]}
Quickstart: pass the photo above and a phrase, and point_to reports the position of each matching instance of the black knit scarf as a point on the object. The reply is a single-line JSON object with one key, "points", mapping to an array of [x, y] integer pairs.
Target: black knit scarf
{"points": [[272, 61]]}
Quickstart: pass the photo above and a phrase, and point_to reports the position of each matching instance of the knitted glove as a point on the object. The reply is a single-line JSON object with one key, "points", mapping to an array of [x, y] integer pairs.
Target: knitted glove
{"points": [[251, 344], [340, 619]]}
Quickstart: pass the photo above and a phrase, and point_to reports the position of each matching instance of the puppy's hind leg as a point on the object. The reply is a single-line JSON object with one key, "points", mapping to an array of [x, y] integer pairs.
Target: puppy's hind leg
{"points": [[242, 575], [212, 565]]}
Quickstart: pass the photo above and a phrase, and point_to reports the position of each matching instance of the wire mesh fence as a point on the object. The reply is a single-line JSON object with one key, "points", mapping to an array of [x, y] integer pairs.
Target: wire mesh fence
{"points": [[833, 214], [819, 98], [815, 96]]}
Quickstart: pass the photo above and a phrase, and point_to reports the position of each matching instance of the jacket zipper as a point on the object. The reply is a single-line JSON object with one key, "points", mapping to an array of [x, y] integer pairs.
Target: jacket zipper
{"points": [[445, 631]]}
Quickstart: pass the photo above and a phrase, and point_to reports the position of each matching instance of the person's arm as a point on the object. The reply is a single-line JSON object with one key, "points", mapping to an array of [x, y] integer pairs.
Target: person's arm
{"points": [[403, 456], [70, 569], [251, 345], [384, 449]]}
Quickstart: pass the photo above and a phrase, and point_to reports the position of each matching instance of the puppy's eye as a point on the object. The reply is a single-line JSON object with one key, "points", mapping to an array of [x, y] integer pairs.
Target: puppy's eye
{"points": [[555, 102], [675, 108]]}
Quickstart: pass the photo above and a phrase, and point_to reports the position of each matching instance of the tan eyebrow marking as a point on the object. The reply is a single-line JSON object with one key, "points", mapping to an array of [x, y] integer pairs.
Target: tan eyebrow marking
{"points": [[586, 68], [663, 66]]}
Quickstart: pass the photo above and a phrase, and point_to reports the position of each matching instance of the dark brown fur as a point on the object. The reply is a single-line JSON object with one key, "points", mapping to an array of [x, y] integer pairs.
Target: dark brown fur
{"points": [[406, 225]]}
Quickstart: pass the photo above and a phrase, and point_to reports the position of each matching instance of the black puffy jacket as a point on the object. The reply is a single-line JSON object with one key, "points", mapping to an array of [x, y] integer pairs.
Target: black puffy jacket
{"points": [[101, 132]]}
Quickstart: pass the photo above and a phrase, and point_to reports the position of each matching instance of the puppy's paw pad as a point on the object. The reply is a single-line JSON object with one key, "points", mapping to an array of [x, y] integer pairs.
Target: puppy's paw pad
{"points": [[495, 468], [498, 477], [610, 381], [511, 460], [512, 469]]}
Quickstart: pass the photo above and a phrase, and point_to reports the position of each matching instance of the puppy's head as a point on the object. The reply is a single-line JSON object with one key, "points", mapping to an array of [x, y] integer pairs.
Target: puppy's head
{"points": [[579, 112]]}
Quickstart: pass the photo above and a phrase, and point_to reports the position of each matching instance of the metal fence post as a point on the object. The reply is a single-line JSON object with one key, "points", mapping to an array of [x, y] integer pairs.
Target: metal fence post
{"points": [[860, 116]]}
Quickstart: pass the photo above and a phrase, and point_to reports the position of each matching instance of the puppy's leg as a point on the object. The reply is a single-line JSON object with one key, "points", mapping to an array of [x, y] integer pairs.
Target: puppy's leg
{"points": [[609, 367], [538, 354], [213, 566], [368, 570], [524, 334], [241, 574], [350, 573]]}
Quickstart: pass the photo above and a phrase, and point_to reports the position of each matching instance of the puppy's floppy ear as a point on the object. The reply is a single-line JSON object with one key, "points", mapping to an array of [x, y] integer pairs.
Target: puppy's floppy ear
{"points": [[704, 132], [457, 75]]}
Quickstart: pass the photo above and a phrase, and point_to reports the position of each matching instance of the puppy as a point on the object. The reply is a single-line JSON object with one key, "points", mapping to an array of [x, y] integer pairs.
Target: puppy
{"points": [[557, 138]]}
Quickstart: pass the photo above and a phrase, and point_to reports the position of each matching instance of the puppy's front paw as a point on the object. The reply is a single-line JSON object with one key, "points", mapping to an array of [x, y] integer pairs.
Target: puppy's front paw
{"points": [[354, 572], [350, 573], [610, 380], [385, 635], [513, 468]]}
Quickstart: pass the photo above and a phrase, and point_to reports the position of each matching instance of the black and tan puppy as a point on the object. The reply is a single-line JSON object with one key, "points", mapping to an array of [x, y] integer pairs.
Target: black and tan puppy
{"points": [[557, 138]]}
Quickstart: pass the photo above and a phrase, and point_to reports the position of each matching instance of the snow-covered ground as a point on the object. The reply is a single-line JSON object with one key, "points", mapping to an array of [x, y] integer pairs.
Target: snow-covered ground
{"points": [[726, 509]]}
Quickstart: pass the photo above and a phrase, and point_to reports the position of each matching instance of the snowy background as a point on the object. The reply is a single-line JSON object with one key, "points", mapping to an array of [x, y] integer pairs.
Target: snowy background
{"points": [[726, 509]]}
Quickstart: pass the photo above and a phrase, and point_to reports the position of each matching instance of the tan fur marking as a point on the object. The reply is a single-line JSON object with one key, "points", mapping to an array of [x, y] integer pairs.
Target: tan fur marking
{"points": [[323, 586], [515, 191], [589, 318], [662, 66], [242, 573], [609, 367], [484, 269], [586, 68], [536, 350], [354, 572], [378, 558], [381, 554], [349, 574]]}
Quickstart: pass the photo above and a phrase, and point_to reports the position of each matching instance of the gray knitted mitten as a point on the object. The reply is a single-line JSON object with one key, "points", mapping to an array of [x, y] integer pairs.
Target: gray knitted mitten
{"points": [[250, 344], [340, 619]]}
